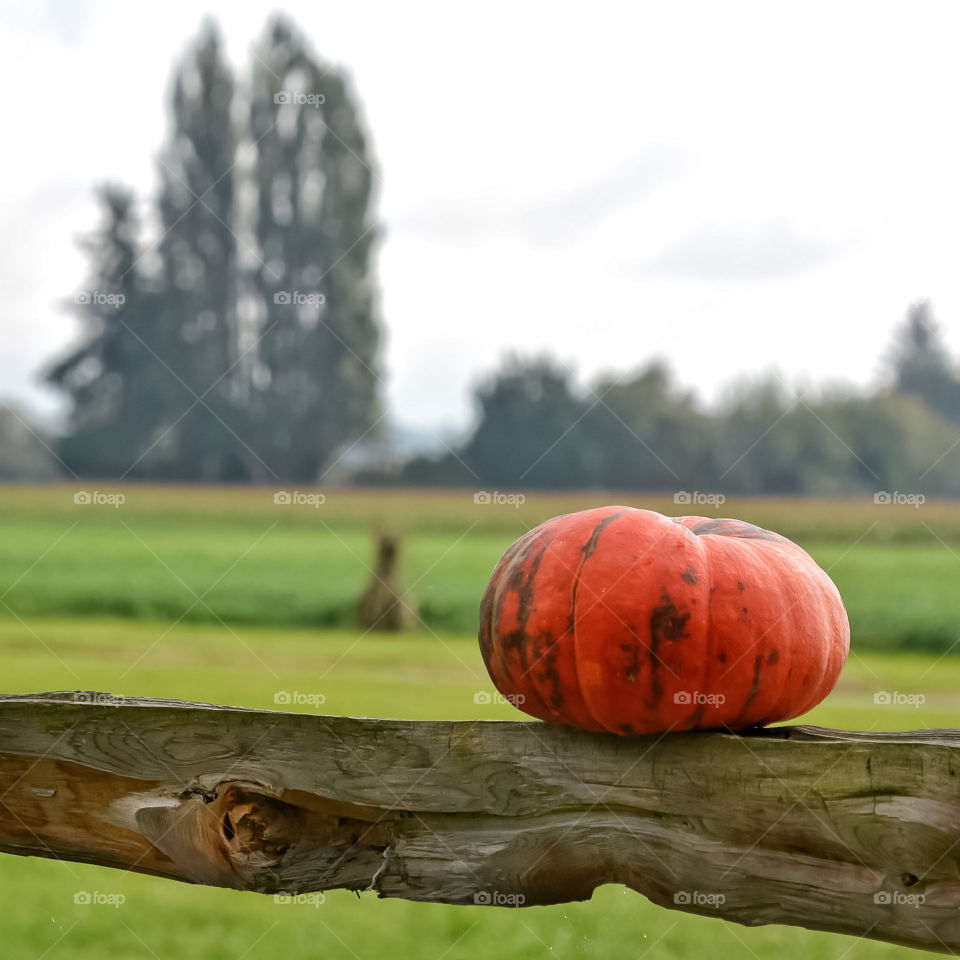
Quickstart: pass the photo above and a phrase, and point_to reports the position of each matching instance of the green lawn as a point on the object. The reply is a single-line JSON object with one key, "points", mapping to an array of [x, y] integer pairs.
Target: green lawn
{"points": [[416, 676], [211, 556]]}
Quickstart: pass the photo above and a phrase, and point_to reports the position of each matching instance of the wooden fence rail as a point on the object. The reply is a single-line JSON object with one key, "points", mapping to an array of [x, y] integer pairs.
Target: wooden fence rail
{"points": [[857, 833]]}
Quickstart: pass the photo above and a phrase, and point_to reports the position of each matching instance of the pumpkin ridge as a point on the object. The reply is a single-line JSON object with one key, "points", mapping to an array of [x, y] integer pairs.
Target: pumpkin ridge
{"points": [[641, 646], [522, 583], [825, 590], [786, 666], [587, 551], [692, 722], [752, 693]]}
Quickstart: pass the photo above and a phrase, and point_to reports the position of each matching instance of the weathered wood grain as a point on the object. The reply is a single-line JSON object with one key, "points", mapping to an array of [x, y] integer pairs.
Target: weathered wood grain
{"points": [[857, 833]]}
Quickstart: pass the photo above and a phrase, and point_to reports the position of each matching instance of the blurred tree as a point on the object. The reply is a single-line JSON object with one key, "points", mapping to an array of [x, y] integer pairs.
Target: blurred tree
{"points": [[922, 365], [110, 377], [771, 442], [206, 368], [838, 443], [315, 384], [900, 444], [528, 431], [642, 433], [197, 340]]}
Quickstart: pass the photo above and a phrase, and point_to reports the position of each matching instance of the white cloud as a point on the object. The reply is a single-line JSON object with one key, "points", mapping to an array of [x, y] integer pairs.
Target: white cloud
{"points": [[768, 249]]}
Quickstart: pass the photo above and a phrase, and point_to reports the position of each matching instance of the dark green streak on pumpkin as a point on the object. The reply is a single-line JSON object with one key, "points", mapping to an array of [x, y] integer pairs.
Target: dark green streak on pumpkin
{"points": [[521, 584], [693, 721], [666, 623], [518, 640], [754, 689], [736, 528], [585, 554], [489, 611], [631, 656], [689, 576], [549, 673], [591, 544], [773, 657]]}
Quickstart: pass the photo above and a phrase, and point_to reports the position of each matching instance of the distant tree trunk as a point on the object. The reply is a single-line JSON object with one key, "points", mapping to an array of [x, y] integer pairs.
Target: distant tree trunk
{"points": [[382, 605]]}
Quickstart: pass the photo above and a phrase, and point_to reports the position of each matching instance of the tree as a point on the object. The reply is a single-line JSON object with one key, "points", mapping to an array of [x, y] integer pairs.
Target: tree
{"points": [[899, 442], [197, 342], [773, 442], [110, 377], [208, 368], [922, 365], [315, 385], [642, 433], [527, 435]]}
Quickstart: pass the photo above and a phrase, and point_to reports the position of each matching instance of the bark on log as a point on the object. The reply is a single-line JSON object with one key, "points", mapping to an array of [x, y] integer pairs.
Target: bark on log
{"points": [[857, 833]]}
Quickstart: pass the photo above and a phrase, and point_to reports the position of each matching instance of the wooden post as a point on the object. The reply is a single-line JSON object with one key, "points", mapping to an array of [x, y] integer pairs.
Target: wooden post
{"points": [[857, 833], [382, 605]]}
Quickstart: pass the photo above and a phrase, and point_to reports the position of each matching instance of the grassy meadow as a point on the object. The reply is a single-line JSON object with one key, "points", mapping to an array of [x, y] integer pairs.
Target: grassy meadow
{"points": [[224, 596], [214, 555]]}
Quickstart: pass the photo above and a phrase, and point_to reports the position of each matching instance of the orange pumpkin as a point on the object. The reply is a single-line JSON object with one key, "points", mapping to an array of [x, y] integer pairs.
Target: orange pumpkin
{"points": [[628, 621]]}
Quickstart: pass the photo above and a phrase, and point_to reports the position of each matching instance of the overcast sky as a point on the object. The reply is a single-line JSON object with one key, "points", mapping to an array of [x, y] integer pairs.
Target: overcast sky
{"points": [[733, 187]]}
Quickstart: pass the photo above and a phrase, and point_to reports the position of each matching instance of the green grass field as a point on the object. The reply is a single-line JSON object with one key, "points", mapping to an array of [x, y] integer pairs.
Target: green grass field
{"points": [[102, 598], [210, 555]]}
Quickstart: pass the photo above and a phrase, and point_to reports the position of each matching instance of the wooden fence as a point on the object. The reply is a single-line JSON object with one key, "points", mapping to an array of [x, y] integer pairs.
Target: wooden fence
{"points": [[857, 833]]}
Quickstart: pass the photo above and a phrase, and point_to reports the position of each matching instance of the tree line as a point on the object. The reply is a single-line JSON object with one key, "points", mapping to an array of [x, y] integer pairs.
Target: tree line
{"points": [[642, 431]]}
